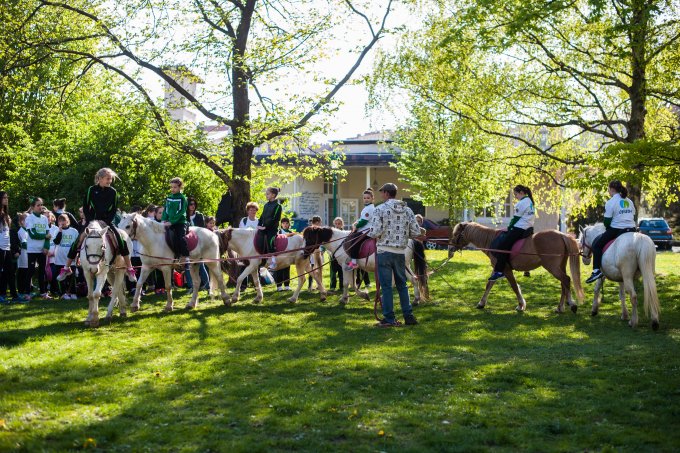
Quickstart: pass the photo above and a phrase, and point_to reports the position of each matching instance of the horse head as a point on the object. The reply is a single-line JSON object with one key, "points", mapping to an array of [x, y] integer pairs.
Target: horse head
{"points": [[129, 224], [458, 238], [94, 246], [315, 236], [586, 238]]}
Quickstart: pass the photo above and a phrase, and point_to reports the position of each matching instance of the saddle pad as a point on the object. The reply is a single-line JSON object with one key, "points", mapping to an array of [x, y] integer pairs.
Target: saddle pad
{"points": [[606, 246], [368, 248], [191, 238], [280, 242], [516, 247]]}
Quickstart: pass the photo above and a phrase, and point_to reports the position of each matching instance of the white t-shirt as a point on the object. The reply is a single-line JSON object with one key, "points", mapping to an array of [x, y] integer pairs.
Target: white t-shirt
{"points": [[41, 226], [68, 237], [524, 209], [4, 237], [366, 214], [22, 261], [247, 223], [621, 211]]}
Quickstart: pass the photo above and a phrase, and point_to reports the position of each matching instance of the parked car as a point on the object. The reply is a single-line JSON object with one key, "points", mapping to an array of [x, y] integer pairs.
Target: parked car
{"points": [[658, 230], [437, 235]]}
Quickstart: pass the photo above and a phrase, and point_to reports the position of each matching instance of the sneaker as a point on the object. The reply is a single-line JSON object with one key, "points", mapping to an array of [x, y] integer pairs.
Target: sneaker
{"points": [[24, 298], [63, 273], [3, 300], [45, 296], [386, 323], [66, 297], [272, 266], [410, 320], [287, 288], [160, 291], [74, 297], [496, 276], [130, 272], [279, 289], [106, 293], [596, 275], [351, 265]]}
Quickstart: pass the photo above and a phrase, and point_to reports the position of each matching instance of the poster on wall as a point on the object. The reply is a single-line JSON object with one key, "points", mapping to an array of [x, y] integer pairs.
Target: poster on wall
{"points": [[309, 204]]}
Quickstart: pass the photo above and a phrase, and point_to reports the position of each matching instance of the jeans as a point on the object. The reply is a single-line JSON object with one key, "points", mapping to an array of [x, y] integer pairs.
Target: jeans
{"points": [[202, 272], [393, 264]]}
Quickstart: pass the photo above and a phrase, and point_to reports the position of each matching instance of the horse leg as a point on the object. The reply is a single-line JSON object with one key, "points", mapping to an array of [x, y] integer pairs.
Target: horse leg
{"points": [[300, 265], [143, 274], [358, 291], [597, 293], [347, 283], [317, 274], [167, 278], [521, 303], [482, 301], [195, 277], [416, 287], [258, 288], [216, 276], [122, 300], [239, 280], [629, 285], [91, 303], [622, 299]]}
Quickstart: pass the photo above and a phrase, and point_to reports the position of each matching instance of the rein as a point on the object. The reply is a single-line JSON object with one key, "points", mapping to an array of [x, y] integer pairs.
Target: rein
{"points": [[99, 257]]}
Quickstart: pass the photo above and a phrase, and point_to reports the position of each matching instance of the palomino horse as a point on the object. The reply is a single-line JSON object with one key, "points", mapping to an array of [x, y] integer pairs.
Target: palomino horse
{"points": [[550, 249], [157, 254], [629, 255], [241, 241], [99, 264], [332, 239]]}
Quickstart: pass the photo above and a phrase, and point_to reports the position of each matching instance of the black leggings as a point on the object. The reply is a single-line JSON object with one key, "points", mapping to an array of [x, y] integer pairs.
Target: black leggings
{"points": [[505, 242], [7, 273], [75, 247], [266, 243], [41, 259], [179, 231], [608, 235]]}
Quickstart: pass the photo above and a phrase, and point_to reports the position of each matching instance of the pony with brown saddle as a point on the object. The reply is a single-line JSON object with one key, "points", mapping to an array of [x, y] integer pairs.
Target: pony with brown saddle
{"points": [[550, 249]]}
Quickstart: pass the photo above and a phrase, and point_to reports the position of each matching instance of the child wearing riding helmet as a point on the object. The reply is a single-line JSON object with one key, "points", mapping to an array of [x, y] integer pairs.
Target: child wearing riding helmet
{"points": [[619, 218], [269, 222], [100, 203], [521, 226], [361, 225], [175, 215]]}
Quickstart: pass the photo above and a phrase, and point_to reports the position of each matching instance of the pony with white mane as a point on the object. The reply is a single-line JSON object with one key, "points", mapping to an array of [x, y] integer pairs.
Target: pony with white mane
{"points": [[100, 264], [629, 256], [333, 240], [242, 241], [158, 255]]}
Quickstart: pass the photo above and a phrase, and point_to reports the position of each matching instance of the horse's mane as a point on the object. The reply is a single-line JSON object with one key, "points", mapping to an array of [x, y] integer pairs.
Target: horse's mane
{"points": [[478, 234], [156, 227], [316, 235]]}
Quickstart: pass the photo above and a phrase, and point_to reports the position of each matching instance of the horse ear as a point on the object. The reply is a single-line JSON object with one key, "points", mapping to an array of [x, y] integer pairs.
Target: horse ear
{"points": [[581, 229]]}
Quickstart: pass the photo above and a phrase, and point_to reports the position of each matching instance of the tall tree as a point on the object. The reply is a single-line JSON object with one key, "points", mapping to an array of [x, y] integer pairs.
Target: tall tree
{"points": [[587, 71], [245, 46]]}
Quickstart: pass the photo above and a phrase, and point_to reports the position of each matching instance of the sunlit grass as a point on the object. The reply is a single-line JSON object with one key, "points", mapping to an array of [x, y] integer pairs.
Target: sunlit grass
{"points": [[317, 376]]}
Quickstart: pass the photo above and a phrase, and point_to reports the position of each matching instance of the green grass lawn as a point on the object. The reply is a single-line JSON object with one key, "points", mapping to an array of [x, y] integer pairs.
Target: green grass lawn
{"points": [[318, 377]]}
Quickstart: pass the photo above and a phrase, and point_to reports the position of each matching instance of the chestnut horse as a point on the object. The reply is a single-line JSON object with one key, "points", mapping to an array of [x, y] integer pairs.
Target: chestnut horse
{"points": [[550, 249]]}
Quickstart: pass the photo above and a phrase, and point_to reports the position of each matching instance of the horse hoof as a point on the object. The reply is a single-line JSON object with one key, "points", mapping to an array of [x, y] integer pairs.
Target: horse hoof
{"points": [[416, 302], [123, 315], [521, 308], [574, 308], [323, 298], [655, 325], [292, 300], [480, 306], [227, 303], [133, 309], [167, 309], [107, 319], [593, 313], [257, 301], [189, 307]]}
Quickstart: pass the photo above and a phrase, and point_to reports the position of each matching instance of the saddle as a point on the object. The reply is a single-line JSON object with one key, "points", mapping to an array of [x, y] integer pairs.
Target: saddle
{"points": [[360, 245], [280, 242], [191, 237], [516, 247]]}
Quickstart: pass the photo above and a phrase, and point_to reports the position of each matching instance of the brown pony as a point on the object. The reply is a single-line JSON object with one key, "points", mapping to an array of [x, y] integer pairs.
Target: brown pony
{"points": [[549, 249]]}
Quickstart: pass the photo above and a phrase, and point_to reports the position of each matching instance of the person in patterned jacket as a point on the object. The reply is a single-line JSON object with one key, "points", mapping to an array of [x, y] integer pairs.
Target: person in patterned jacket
{"points": [[393, 224]]}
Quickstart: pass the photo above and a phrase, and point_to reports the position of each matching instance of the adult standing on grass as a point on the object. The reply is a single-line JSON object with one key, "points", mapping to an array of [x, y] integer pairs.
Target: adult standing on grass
{"points": [[393, 224], [6, 252]]}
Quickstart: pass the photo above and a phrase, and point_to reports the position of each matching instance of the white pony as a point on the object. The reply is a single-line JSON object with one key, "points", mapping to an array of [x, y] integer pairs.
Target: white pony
{"points": [[631, 255], [241, 241], [99, 264], [158, 255], [332, 239]]}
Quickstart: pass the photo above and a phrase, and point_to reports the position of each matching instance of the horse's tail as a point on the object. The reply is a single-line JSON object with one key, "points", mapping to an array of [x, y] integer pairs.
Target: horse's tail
{"points": [[647, 264], [574, 265], [421, 268]]}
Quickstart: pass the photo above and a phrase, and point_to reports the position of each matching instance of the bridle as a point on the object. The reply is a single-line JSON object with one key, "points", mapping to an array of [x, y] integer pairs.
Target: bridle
{"points": [[133, 229], [584, 246], [456, 244], [92, 256]]}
